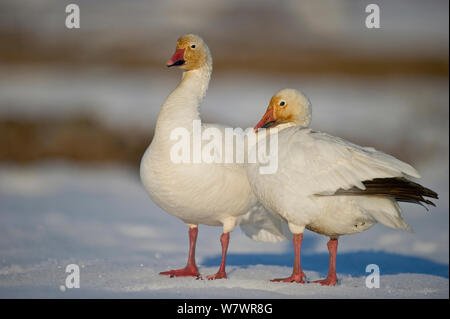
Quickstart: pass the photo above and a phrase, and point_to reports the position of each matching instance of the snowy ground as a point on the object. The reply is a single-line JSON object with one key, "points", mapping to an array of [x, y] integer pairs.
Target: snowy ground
{"points": [[101, 219], [53, 214]]}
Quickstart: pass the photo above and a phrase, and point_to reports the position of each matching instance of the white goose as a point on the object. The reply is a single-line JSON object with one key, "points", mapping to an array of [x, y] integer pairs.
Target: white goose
{"points": [[198, 193], [326, 184]]}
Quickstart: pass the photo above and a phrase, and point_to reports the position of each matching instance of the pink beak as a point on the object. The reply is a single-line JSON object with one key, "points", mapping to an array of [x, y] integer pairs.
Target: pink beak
{"points": [[267, 120], [177, 58]]}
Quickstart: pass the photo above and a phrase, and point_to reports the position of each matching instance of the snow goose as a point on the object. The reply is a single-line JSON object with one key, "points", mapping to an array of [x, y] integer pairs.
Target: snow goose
{"points": [[328, 185], [212, 194]]}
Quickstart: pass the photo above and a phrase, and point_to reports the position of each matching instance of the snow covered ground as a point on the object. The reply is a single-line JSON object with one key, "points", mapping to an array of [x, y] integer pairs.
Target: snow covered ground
{"points": [[100, 218]]}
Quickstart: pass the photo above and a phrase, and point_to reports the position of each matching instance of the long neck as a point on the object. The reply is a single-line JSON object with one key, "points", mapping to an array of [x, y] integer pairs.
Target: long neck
{"points": [[181, 106]]}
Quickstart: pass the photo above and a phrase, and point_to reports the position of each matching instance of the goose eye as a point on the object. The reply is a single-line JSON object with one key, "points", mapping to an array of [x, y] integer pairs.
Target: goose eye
{"points": [[193, 46], [282, 103]]}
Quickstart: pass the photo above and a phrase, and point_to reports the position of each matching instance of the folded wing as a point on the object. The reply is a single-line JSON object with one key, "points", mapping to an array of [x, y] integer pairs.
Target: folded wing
{"points": [[324, 164]]}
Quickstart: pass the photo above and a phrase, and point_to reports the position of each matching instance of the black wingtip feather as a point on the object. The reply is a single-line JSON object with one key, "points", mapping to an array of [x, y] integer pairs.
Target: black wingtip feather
{"points": [[400, 188]]}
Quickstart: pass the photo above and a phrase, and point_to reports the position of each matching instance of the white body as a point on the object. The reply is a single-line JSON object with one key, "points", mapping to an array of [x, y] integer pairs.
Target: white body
{"points": [[312, 165], [198, 193]]}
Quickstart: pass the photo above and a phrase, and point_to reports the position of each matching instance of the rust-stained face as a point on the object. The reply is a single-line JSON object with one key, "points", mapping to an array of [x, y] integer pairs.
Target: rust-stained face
{"points": [[190, 54], [287, 106]]}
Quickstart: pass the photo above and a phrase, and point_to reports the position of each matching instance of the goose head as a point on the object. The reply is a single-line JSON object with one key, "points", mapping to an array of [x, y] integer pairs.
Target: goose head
{"points": [[191, 53], [286, 106]]}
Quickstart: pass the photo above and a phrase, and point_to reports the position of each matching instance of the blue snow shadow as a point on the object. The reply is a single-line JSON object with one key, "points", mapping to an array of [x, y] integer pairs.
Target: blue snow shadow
{"points": [[353, 263]]}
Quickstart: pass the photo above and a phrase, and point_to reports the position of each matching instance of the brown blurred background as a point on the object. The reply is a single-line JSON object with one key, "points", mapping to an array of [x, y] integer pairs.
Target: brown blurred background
{"points": [[93, 94]]}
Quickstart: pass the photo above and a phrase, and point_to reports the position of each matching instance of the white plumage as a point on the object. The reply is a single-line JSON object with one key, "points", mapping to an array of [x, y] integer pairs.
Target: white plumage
{"points": [[311, 164], [197, 193], [316, 169]]}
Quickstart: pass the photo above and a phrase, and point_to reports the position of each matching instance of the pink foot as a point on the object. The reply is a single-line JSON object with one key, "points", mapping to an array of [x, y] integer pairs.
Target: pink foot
{"points": [[298, 278], [331, 279], [326, 282], [218, 275], [188, 271]]}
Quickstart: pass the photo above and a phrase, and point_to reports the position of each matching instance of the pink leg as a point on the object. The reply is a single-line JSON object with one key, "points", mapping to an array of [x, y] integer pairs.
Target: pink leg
{"points": [[221, 274], [297, 272], [331, 279], [191, 268]]}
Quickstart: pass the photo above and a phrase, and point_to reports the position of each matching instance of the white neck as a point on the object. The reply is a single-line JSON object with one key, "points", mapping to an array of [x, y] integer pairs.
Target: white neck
{"points": [[262, 134], [282, 126], [181, 106]]}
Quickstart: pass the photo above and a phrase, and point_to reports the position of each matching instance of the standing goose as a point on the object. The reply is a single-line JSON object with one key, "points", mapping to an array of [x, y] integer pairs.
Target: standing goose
{"points": [[328, 185], [197, 193]]}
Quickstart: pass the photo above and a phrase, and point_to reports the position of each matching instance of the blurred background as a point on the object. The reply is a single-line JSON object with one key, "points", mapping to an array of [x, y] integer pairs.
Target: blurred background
{"points": [[78, 109]]}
